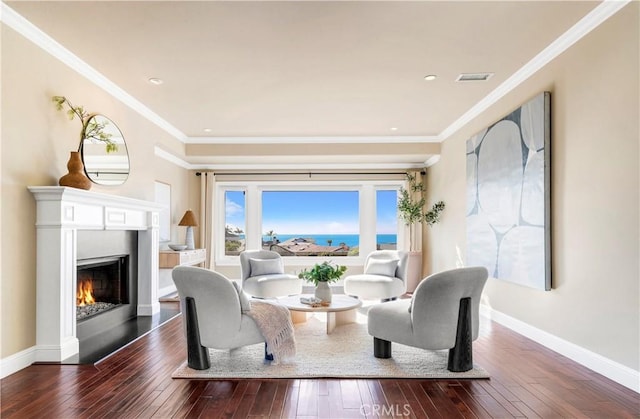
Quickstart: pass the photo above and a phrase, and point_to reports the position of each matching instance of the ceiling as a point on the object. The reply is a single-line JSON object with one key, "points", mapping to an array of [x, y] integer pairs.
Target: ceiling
{"points": [[306, 72]]}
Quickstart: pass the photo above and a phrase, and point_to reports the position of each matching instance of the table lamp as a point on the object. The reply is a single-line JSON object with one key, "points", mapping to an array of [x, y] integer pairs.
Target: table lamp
{"points": [[189, 220]]}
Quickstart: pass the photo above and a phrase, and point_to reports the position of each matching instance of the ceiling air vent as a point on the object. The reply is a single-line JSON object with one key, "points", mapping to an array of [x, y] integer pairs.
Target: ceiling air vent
{"points": [[474, 76]]}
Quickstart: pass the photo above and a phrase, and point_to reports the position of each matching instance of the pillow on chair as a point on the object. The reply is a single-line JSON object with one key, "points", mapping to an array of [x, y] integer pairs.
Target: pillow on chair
{"points": [[245, 304], [266, 266], [386, 267]]}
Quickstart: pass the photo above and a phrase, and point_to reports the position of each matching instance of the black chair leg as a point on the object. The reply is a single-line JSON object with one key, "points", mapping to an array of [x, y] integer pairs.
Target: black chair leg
{"points": [[197, 355], [267, 355], [381, 348], [461, 355]]}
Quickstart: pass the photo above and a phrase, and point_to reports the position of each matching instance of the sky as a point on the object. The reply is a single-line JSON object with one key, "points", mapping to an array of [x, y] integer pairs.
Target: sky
{"points": [[317, 212]]}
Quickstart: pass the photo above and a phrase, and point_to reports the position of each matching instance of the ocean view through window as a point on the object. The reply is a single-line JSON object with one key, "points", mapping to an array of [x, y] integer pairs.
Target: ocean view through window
{"points": [[386, 219], [235, 222], [303, 220], [311, 223]]}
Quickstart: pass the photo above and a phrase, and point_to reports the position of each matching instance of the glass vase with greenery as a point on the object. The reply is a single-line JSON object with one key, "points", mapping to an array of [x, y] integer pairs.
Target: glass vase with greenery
{"points": [[323, 272], [91, 128]]}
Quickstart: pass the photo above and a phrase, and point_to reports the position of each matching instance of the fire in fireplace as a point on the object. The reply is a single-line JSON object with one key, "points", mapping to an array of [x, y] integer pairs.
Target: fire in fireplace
{"points": [[85, 293], [103, 284]]}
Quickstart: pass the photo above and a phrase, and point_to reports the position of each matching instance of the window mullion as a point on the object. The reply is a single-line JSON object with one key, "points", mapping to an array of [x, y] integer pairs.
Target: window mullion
{"points": [[367, 219], [254, 218]]}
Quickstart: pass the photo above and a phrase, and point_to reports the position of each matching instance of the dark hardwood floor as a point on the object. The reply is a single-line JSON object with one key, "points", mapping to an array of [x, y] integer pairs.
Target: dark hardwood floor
{"points": [[527, 380]]}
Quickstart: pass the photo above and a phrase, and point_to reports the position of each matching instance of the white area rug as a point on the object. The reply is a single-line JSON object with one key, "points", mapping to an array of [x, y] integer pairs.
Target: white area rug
{"points": [[345, 353]]}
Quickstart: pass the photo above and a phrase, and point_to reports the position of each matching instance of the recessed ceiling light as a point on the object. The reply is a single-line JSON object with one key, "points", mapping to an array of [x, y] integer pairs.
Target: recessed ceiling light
{"points": [[156, 81], [207, 130], [430, 77], [394, 128]]}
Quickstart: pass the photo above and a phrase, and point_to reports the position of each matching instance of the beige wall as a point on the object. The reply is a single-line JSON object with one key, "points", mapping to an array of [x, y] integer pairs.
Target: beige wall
{"points": [[36, 141], [594, 88]]}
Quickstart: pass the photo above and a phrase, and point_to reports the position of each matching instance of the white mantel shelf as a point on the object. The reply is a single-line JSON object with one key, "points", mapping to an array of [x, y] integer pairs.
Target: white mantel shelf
{"points": [[92, 210], [61, 212]]}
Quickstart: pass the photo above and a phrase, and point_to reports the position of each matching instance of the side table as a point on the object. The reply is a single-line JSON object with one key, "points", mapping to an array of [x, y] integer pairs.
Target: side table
{"points": [[168, 259]]}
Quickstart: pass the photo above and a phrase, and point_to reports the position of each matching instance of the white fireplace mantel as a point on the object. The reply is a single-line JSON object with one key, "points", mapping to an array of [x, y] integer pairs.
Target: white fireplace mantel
{"points": [[61, 212]]}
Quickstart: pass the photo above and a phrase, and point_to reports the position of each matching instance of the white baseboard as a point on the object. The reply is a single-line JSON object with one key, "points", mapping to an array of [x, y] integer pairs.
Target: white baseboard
{"points": [[615, 371], [163, 292], [69, 347], [16, 362]]}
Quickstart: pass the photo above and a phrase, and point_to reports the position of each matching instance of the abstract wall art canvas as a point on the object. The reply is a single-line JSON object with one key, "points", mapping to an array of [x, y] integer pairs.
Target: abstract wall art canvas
{"points": [[508, 196]]}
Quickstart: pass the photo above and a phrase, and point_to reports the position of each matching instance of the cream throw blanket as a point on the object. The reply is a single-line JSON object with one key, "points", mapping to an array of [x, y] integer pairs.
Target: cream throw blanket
{"points": [[274, 322]]}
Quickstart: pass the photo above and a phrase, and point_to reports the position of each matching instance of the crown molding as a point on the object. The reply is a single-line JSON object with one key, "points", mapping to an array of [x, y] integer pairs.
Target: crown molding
{"points": [[316, 140], [163, 154], [305, 166], [593, 19], [432, 160], [590, 21], [159, 152], [34, 34]]}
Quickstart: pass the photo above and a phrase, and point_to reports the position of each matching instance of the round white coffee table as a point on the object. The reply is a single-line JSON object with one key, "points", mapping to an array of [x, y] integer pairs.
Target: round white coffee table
{"points": [[342, 309]]}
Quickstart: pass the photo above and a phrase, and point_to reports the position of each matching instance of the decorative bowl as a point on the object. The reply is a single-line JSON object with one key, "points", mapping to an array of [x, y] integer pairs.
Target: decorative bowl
{"points": [[177, 247]]}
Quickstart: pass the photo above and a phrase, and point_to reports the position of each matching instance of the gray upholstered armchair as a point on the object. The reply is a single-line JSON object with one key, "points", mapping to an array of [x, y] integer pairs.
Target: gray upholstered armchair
{"points": [[443, 314], [214, 316], [263, 275], [385, 276]]}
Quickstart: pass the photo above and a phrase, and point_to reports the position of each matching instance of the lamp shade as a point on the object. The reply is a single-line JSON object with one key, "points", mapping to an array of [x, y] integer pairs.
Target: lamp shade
{"points": [[188, 219]]}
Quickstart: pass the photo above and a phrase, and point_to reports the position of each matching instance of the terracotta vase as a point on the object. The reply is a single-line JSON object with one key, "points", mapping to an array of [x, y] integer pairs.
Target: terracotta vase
{"points": [[76, 177]]}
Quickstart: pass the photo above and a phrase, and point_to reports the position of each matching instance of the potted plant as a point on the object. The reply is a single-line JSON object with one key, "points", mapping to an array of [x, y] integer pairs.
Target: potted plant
{"points": [[412, 207], [412, 210], [321, 275]]}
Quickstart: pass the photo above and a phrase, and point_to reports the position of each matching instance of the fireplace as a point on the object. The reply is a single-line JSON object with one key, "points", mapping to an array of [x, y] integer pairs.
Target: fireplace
{"points": [[63, 216], [106, 280], [102, 285]]}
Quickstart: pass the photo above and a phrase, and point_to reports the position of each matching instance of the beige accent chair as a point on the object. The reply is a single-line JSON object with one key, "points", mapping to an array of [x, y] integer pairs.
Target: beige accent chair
{"points": [[384, 277], [213, 309], [443, 314], [263, 276]]}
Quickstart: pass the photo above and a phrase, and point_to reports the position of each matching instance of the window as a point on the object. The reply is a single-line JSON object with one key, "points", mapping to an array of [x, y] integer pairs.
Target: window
{"points": [[311, 223], [386, 219], [307, 220], [234, 223]]}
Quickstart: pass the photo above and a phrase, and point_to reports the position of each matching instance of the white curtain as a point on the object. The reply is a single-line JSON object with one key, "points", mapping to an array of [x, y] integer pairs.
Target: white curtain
{"points": [[207, 189]]}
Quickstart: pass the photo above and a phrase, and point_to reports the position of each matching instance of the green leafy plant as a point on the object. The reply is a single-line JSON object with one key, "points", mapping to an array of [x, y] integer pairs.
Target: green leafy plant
{"points": [[91, 129], [432, 216], [232, 245], [412, 210], [323, 272]]}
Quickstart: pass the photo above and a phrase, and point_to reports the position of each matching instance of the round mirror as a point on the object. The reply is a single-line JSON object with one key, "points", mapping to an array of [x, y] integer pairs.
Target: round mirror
{"points": [[104, 152]]}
